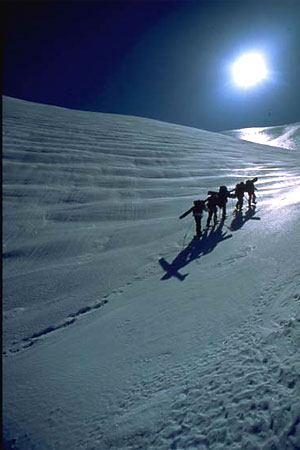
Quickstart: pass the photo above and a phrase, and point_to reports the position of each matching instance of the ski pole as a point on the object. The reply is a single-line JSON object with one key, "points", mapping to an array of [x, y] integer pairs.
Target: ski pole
{"points": [[183, 243], [257, 194]]}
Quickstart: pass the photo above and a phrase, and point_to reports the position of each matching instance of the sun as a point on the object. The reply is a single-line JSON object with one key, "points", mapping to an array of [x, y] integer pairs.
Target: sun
{"points": [[249, 69]]}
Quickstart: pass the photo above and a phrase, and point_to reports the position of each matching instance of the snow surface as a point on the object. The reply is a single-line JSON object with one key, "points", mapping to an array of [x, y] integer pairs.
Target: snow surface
{"points": [[119, 330], [285, 136]]}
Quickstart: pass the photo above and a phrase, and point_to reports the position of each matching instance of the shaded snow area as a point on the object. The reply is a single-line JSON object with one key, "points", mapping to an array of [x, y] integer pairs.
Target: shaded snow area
{"points": [[284, 136], [122, 332]]}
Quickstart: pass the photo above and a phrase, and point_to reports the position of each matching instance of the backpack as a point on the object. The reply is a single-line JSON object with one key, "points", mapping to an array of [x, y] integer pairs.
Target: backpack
{"points": [[239, 189], [199, 206], [250, 186], [212, 201]]}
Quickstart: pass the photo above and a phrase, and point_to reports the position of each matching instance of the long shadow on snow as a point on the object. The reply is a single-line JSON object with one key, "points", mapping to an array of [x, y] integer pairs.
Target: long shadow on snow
{"points": [[240, 219], [194, 250]]}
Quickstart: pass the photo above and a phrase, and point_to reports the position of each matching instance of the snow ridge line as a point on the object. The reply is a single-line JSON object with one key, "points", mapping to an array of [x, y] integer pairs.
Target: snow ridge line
{"points": [[71, 319]]}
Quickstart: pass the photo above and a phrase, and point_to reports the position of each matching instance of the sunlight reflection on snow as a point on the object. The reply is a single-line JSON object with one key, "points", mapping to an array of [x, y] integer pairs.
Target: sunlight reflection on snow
{"points": [[261, 135], [289, 197], [283, 136], [255, 135]]}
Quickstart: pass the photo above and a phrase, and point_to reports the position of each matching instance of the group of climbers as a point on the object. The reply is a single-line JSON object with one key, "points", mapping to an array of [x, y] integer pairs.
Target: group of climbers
{"points": [[220, 199], [241, 188]]}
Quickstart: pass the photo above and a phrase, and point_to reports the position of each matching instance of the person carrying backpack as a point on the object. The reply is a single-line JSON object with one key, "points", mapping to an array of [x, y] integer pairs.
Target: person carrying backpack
{"points": [[212, 202], [223, 196], [239, 193], [250, 189], [197, 210]]}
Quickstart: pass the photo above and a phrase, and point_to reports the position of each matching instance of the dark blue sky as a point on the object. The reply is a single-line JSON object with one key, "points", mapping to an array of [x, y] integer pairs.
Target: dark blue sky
{"points": [[167, 60]]}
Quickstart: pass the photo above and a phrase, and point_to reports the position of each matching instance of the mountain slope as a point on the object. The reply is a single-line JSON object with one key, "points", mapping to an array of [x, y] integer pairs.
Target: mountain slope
{"points": [[285, 136], [120, 331]]}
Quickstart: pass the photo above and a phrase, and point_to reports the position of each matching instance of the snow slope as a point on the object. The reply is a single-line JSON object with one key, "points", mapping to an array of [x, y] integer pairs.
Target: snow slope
{"points": [[285, 136], [120, 331]]}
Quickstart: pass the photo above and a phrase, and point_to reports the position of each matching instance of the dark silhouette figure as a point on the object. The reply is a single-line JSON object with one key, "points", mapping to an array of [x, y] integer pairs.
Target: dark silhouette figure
{"points": [[212, 202], [239, 193], [250, 189], [240, 219], [223, 196], [194, 250], [197, 210]]}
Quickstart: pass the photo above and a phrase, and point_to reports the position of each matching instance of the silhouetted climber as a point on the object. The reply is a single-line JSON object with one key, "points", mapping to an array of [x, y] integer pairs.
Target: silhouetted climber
{"points": [[239, 193], [197, 210], [212, 202], [223, 196], [250, 189]]}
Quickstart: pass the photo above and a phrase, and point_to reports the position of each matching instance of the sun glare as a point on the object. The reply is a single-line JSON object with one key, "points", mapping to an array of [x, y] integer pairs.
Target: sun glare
{"points": [[249, 69]]}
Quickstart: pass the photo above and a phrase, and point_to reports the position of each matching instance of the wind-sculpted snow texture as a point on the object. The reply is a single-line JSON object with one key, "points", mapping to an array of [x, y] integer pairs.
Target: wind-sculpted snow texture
{"points": [[120, 331], [285, 136]]}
